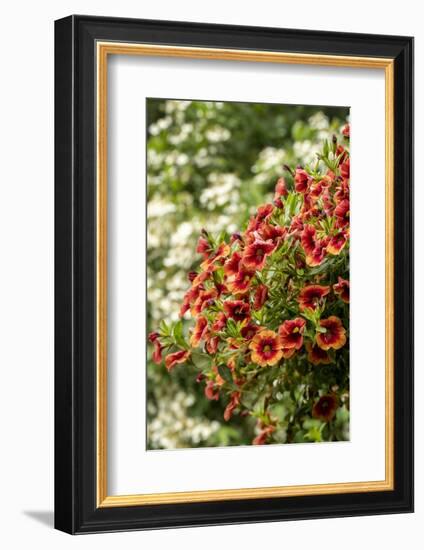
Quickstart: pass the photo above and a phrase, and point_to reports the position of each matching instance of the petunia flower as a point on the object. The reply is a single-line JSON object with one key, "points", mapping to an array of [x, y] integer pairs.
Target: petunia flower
{"points": [[334, 335], [203, 247], [211, 392], [301, 179], [219, 322], [249, 331], [176, 358], [342, 213], [345, 169], [316, 355], [240, 283], [205, 298], [261, 295], [233, 404], [199, 331], [231, 266], [266, 348], [311, 296], [237, 310], [264, 211], [325, 408], [263, 435], [221, 252], [342, 289], [255, 255], [157, 352], [337, 243], [291, 333], [280, 191]]}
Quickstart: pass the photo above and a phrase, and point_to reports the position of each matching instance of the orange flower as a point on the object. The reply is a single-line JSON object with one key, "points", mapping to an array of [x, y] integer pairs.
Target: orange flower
{"points": [[342, 289], [261, 295], [199, 331], [231, 266], [280, 191], [291, 333], [237, 310], [256, 254], [334, 335], [316, 355], [325, 408], [220, 322], [301, 180], [311, 296], [205, 298], [221, 252], [234, 403], [157, 352], [263, 435], [240, 283], [266, 348], [337, 243], [176, 358], [342, 213], [314, 249]]}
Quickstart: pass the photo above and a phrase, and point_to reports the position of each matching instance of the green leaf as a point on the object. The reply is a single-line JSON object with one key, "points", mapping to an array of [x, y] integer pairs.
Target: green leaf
{"points": [[225, 373]]}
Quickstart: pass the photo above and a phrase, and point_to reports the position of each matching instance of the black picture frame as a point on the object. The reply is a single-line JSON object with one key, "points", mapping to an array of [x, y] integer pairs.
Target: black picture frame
{"points": [[76, 510]]}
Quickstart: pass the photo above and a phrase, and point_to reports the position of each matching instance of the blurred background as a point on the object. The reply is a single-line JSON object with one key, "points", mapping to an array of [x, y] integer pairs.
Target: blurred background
{"points": [[210, 164]]}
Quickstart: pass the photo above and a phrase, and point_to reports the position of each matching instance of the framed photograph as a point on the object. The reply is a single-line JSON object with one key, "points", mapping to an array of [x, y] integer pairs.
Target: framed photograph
{"points": [[234, 274]]}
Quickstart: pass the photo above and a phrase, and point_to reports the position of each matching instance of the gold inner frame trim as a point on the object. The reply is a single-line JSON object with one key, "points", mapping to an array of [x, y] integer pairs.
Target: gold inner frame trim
{"points": [[104, 49]]}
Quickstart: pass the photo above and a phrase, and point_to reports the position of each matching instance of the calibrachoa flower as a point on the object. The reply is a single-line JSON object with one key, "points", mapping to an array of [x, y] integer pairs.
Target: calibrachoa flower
{"points": [[312, 296], [175, 358], [342, 289], [266, 348], [325, 408], [334, 335], [269, 309]]}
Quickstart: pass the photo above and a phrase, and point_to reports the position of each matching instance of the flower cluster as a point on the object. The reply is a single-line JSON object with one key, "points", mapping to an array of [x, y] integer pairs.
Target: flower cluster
{"points": [[270, 307]]}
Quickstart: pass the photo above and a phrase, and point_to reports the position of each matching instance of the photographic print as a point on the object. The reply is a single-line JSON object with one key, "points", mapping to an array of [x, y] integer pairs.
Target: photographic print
{"points": [[248, 274]]}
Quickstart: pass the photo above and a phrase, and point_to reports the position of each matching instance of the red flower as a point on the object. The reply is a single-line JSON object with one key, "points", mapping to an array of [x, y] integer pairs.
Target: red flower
{"points": [[157, 352], [345, 169], [314, 249], [264, 211], [212, 345], [346, 130], [231, 266], [221, 252], [190, 296], [237, 310], [240, 283], [301, 180], [280, 191], [234, 403], [205, 298], [291, 333], [342, 213], [325, 408], [261, 295], [199, 331], [211, 392], [262, 438], [203, 247], [266, 348], [311, 297], [308, 239], [342, 289], [220, 322], [249, 331], [316, 355], [176, 358], [256, 254], [334, 335], [337, 243], [273, 233]]}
